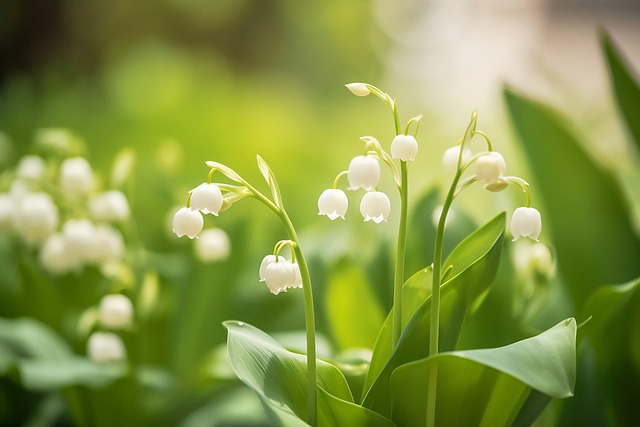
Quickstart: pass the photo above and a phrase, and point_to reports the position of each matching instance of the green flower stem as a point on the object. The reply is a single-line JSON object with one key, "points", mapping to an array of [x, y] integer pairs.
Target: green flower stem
{"points": [[400, 256], [309, 320], [435, 300]]}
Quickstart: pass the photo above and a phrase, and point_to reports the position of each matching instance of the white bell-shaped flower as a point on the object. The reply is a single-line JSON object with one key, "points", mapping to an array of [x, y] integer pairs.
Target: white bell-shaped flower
{"points": [[105, 347], [76, 177], [404, 147], [213, 245], [526, 222], [490, 167], [55, 257], [363, 172], [206, 198], [80, 237], [279, 276], [187, 222], [31, 168], [269, 259], [375, 205], [35, 217], [110, 206], [359, 89], [115, 311], [333, 203], [450, 158], [108, 245]]}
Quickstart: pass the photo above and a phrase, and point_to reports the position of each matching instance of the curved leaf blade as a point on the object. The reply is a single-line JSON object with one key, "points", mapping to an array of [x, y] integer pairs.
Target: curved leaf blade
{"points": [[268, 175], [458, 295], [489, 387]]}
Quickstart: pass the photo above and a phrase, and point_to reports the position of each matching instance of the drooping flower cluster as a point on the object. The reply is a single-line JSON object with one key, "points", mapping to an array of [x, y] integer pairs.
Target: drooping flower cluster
{"points": [[279, 274], [54, 207], [204, 199], [115, 311]]}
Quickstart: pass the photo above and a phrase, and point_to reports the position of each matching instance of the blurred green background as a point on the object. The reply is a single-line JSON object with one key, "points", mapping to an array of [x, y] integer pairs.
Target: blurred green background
{"points": [[184, 81]]}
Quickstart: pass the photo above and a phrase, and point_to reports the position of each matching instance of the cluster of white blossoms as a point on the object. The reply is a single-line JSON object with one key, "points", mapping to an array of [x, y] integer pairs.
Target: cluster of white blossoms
{"points": [[279, 274], [211, 244], [115, 311], [55, 209]]}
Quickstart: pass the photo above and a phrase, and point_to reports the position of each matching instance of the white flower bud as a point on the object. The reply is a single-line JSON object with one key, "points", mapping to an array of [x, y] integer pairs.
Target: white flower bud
{"points": [[79, 235], [363, 172], [490, 167], [206, 198], [111, 206], [359, 89], [450, 158], [526, 222], [55, 257], [375, 206], [279, 276], [213, 245], [105, 347], [404, 147], [35, 217], [115, 311], [269, 259], [107, 246], [333, 203], [76, 177], [31, 168], [187, 222]]}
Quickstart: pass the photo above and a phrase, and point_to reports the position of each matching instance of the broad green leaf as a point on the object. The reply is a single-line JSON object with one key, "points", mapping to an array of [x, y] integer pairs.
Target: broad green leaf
{"points": [[479, 253], [489, 387], [586, 210], [279, 377], [268, 175], [26, 337], [625, 85], [353, 312], [605, 306]]}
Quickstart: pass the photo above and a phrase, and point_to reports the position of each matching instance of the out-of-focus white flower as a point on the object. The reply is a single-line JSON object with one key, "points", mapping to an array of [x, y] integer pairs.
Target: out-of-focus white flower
{"points": [[265, 263], [105, 347], [79, 235], [404, 147], [435, 216], [110, 206], [31, 168], [35, 217], [363, 172], [76, 177], [6, 210], [359, 89], [206, 198], [107, 245], [375, 206], [333, 203], [490, 167], [534, 258], [279, 276], [526, 222], [115, 311], [450, 158], [187, 222], [213, 245], [55, 257]]}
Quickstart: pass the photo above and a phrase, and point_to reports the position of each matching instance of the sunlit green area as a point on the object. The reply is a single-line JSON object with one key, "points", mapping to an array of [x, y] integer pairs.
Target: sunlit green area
{"points": [[147, 92]]}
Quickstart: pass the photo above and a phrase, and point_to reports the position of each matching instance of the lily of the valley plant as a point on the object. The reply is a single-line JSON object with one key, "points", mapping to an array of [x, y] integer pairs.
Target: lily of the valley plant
{"points": [[408, 381]]}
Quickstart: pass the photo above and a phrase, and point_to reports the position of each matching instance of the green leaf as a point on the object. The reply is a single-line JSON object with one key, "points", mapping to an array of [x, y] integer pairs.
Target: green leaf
{"points": [[279, 378], [353, 312], [625, 85], [268, 175], [476, 262], [587, 212], [489, 387]]}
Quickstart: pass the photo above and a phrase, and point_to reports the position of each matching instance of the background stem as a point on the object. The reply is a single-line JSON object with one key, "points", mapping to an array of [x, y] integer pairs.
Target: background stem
{"points": [[400, 257]]}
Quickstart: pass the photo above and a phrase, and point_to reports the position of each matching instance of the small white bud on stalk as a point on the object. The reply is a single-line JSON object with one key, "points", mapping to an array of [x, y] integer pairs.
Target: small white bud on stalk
{"points": [[76, 177], [115, 311], [526, 222], [375, 206], [363, 172], [187, 222], [333, 203], [105, 347], [213, 245], [490, 167], [404, 147], [206, 198], [359, 89]]}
